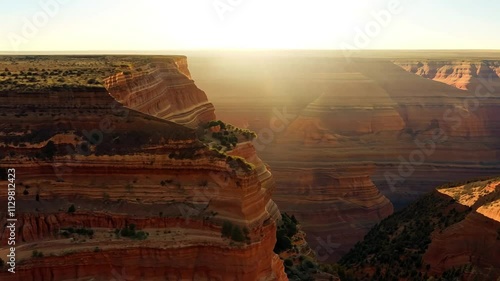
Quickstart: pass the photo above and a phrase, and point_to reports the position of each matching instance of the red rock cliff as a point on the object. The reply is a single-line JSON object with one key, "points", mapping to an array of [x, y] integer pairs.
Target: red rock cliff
{"points": [[162, 88], [119, 167]]}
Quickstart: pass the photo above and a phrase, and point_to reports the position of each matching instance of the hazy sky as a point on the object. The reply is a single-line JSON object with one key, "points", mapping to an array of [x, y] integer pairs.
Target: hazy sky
{"points": [[55, 25]]}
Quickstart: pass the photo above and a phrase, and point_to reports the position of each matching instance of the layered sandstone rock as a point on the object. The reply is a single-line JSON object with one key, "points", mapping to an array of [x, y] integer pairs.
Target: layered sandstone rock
{"points": [[119, 167], [462, 74], [336, 206], [351, 104], [163, 88], [183, 256]]}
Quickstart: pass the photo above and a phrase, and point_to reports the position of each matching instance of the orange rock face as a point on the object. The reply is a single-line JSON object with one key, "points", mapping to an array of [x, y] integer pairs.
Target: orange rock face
{"points": [[196, 261], [164, 89], [474, 240], [464, 75]]}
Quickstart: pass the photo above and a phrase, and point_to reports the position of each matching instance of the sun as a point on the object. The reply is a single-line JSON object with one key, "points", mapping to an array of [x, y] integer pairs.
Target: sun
{"points": [[274, 25]]}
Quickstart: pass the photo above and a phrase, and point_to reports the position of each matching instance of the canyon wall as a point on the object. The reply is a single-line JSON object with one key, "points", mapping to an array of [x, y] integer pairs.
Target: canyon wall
{"points": [[474, 240], [86, 163], [450, 233]]}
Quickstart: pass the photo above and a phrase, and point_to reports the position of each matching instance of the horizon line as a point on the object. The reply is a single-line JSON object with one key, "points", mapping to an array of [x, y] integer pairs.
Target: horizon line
{"points": [[103, 52]]}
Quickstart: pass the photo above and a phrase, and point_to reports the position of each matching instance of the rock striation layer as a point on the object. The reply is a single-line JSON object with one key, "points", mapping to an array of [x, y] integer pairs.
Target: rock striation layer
{"points": [[162, 88]]}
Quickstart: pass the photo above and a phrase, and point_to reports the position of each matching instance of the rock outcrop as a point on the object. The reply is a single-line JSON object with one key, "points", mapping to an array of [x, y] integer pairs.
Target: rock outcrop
{"points": [[450, 233], [462, 74], [162, 88], [472, 242]]}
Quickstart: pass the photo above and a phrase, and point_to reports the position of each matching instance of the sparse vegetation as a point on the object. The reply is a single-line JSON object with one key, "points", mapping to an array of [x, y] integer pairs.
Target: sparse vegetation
{"points": [[234, 232], [71, 209], [130, 231], [129, 187], [395, 246], [470, 183], [227, 228], [105, 196], [284, 233], [64, 72], [225, 135], [48, 151], [66, 232], [237, 234], [36, 254], [236, 162]]}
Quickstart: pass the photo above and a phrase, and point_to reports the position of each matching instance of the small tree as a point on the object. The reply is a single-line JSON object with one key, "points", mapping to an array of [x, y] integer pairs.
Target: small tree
{"points": [[227, 228], [36, 254], [246, 231], [71, 209], [49, 150], [237, 234]]}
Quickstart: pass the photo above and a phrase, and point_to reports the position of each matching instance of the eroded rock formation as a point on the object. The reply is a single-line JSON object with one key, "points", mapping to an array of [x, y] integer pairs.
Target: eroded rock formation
{"points": [[474, 240], [162, 88], [462, 74], [106, 192]]}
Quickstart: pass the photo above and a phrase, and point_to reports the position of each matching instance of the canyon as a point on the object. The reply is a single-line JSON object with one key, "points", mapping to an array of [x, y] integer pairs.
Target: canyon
{"points": [[350, 140], [101, 144], [107, 192]]}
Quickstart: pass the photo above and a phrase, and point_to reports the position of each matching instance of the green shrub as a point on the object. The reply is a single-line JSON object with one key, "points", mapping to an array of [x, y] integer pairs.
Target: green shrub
{"points": [[227, 228], [284, 233], [237, 234], [48, 151], [37, 254], [131, 232], [246, 232], [71, 209]]}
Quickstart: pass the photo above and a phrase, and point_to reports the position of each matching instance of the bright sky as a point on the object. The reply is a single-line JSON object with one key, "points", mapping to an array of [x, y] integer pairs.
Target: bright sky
{"points": [[106, 25]]}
